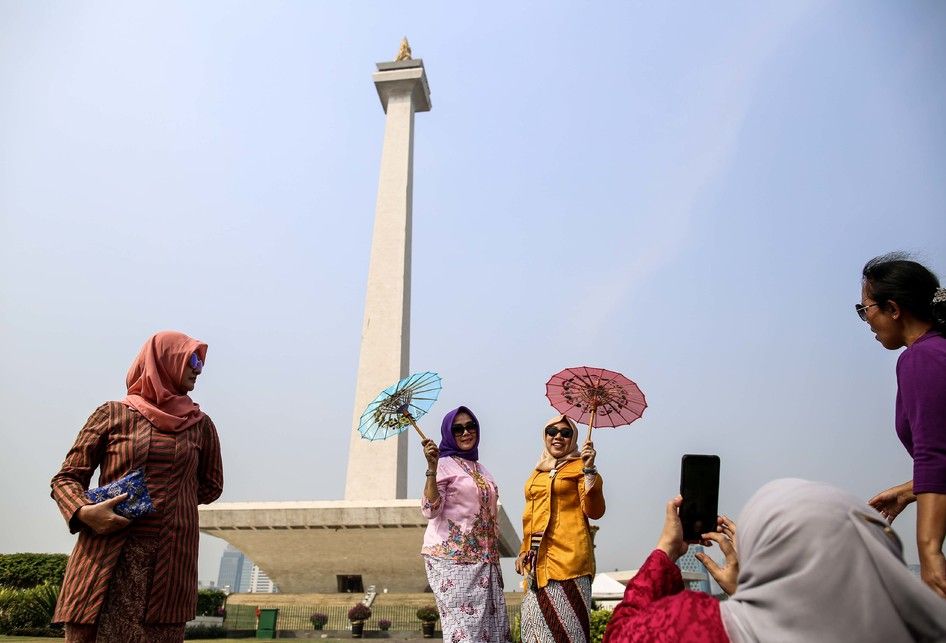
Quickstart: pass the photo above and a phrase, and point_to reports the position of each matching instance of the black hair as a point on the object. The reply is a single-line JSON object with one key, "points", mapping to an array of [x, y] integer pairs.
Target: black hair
{"points": [[896, 277]]}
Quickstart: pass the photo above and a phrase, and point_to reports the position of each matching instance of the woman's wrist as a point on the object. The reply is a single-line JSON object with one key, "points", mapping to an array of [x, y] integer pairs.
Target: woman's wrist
{"points": [[670, 549], [906, 492], [929, 555]]}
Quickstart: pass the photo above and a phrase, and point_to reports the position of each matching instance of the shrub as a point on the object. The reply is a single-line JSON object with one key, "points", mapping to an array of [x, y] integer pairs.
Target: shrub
{"points": [[598, 621], [359, 612], [8, 598], [210, 601], [25, 571], [428, 613], [384, 624], [205, 632], [319, 620], [41, 602], [27, 608]]}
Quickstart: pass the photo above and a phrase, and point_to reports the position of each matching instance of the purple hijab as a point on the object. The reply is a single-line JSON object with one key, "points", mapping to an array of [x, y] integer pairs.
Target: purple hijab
{"points": [[448, 445]]}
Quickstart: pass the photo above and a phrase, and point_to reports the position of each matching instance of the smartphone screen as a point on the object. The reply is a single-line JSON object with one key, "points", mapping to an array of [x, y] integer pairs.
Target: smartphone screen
{"points": [[699, 486]]}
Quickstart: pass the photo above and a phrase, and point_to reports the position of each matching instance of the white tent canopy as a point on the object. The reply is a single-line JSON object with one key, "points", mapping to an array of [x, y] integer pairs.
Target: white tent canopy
{"points": [[605, 587]]}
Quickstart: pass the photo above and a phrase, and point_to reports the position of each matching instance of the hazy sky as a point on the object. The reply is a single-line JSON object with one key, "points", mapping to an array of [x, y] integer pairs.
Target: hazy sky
{"points": [[683, 192]]}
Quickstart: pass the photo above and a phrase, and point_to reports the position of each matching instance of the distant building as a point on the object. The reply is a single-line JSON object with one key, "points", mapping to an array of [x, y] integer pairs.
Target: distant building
{"points": [[689, 563], [246, 574], [239, 574], [231, 574], [260, 583], [231, 569]]}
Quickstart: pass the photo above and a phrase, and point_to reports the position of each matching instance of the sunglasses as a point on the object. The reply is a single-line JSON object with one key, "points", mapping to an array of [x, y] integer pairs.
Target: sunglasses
{"points": [[861, 310], [195, 363], [551, 431], [460, 429]]}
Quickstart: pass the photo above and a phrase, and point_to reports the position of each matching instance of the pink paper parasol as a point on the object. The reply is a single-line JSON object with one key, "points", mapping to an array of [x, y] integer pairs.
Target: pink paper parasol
{"points": [[595, 396]]}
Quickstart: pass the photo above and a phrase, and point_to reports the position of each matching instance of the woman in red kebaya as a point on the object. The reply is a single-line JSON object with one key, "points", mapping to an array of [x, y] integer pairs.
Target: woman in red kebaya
{"points": [[814, 563]]}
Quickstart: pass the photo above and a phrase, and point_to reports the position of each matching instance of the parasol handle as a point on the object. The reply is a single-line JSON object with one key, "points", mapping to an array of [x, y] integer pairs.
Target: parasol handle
{"points": [[591, 422], [410, 418]]}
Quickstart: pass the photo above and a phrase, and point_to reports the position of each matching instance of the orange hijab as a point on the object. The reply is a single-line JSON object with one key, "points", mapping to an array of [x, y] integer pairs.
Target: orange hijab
{"points": [[154, 379]]}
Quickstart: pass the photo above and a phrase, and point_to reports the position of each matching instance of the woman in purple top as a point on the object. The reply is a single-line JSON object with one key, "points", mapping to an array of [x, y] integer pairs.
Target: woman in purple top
{"points": [[461, 544], [905, 306]]}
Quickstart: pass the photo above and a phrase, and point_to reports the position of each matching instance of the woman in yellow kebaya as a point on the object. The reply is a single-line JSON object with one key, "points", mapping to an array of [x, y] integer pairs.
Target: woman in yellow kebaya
{"points": [[557, 555]]}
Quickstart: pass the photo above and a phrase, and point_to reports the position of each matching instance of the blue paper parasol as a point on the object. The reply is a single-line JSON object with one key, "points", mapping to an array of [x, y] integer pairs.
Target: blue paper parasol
{"points": [[398, 407]]}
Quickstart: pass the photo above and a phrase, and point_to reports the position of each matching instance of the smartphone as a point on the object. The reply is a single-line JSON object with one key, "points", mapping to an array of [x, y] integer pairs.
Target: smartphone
{"points": [[699, 486]]}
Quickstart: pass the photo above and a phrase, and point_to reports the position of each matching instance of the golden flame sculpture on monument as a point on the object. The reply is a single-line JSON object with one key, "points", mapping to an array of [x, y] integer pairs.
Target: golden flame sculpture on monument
{"points": [[404, 53]]}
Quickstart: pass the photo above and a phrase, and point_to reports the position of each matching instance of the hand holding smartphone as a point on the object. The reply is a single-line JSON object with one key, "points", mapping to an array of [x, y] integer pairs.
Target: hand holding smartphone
{"points": [[699, 486]]}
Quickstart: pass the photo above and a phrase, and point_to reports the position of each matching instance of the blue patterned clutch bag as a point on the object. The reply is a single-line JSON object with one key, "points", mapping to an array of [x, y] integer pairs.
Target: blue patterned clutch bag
{"points": [[137, 504]]}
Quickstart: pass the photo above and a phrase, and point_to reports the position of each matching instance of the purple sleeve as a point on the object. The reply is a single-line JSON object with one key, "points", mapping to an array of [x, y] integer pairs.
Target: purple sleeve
{"points": [[921, 377]]}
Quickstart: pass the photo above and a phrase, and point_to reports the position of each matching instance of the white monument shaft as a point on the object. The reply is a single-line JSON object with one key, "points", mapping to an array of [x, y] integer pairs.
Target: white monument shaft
{"points": [[378, 470]]}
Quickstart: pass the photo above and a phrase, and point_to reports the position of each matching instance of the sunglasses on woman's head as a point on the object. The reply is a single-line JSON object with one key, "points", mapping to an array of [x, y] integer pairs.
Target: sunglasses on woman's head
{"points": [[195, 363], [552, 431], [460, 429]]}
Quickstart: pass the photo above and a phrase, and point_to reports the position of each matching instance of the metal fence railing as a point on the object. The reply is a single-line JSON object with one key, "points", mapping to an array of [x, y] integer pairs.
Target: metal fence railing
{"points": [[297, 617]]}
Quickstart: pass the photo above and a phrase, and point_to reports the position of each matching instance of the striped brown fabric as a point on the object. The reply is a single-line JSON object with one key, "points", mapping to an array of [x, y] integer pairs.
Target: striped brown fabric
{"points": [[117, 439], [160, 468]]}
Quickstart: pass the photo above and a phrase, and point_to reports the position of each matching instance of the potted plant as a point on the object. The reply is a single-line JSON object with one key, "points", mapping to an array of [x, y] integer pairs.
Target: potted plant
{"points": [[428, 615], [384, 625], [358, 615], [318, 620]]}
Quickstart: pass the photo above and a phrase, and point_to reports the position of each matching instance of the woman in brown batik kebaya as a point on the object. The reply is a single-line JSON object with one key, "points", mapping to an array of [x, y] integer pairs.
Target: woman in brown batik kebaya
{"points": [[136, 580]]}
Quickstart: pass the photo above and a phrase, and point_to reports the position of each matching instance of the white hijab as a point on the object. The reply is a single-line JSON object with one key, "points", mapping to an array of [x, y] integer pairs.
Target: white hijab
{"points": [[547, 461], [818, 564]]}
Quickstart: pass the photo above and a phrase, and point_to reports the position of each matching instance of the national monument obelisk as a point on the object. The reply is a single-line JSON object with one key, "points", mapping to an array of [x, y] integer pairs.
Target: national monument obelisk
{"points": [[378, 470], [374, 535]]}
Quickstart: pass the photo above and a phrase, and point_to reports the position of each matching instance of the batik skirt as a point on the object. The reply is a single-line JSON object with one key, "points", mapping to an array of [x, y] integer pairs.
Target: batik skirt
{"points": [[121, 619], [470, 600], [557, 613]]}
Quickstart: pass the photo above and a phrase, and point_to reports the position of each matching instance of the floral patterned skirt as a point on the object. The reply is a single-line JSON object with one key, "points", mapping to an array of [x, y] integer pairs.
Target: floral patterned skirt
{"points": [[470, 600], [121, 619]]}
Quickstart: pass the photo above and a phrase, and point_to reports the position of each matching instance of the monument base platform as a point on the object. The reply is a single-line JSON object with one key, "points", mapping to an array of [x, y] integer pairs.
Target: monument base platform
{"points": [[318, 546]]}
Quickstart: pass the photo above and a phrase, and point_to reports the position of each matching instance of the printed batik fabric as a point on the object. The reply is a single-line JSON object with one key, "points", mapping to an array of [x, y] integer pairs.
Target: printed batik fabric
{"points": [[137, 504], [462, 521], [558, 612], [122, 616], [470, 600]]}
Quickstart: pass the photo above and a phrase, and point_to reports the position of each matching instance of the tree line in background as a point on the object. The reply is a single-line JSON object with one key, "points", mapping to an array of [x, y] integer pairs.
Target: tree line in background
{"points": [[210, 602]]}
